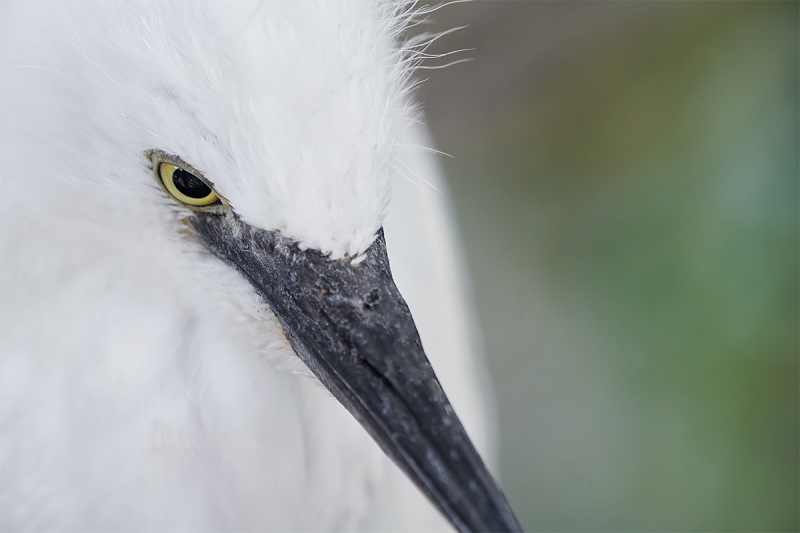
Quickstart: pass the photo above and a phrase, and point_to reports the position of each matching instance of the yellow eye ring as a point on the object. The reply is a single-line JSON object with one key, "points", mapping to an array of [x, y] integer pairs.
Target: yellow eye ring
{"points": [[185, 186]]}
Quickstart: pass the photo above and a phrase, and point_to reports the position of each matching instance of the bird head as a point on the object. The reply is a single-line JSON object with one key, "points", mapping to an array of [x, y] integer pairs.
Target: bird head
{"points": [[262, 136]]}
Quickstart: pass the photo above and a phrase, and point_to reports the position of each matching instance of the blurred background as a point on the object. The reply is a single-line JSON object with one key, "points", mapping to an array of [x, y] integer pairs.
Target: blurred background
{"points": [[626, 179]]}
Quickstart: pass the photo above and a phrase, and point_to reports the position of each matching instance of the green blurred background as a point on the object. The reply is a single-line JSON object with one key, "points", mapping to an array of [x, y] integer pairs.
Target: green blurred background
{"points": [[626, 179]]}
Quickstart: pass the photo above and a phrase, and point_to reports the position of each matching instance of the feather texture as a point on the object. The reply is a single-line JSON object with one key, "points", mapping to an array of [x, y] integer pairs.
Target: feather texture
{"points": [[145, 386]]}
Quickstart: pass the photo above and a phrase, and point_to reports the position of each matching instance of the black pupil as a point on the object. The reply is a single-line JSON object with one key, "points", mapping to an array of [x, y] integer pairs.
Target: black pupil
{"points": [[189, 184]]}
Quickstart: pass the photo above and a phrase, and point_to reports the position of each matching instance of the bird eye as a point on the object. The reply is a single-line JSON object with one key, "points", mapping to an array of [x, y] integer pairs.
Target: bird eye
{"points": [[185, 186]]}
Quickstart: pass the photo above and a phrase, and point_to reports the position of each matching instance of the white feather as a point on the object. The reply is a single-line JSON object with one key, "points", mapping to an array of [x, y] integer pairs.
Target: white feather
{"points": [[145, 386]]}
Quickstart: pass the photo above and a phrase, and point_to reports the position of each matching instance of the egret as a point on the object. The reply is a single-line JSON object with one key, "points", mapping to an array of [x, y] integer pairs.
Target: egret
{"points": [[194, 270]]}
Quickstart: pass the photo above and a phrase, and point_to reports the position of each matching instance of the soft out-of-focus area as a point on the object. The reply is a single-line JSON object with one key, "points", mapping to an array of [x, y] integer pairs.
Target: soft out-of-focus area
{"points": [[626, 179]]}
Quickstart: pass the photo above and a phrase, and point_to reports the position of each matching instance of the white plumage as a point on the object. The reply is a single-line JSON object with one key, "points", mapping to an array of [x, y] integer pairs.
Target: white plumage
{"points": [[145, 384]]}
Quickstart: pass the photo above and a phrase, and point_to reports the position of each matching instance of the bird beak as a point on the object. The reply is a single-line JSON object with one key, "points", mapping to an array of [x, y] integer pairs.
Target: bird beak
{"points": [[350, 326]]}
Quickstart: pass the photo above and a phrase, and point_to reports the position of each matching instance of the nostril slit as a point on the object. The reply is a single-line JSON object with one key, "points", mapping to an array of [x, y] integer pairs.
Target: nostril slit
{"points": [[371, 298]]}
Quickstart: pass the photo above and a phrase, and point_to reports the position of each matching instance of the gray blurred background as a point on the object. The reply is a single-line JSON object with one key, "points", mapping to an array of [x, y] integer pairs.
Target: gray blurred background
{"points": [[626, 179]]}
